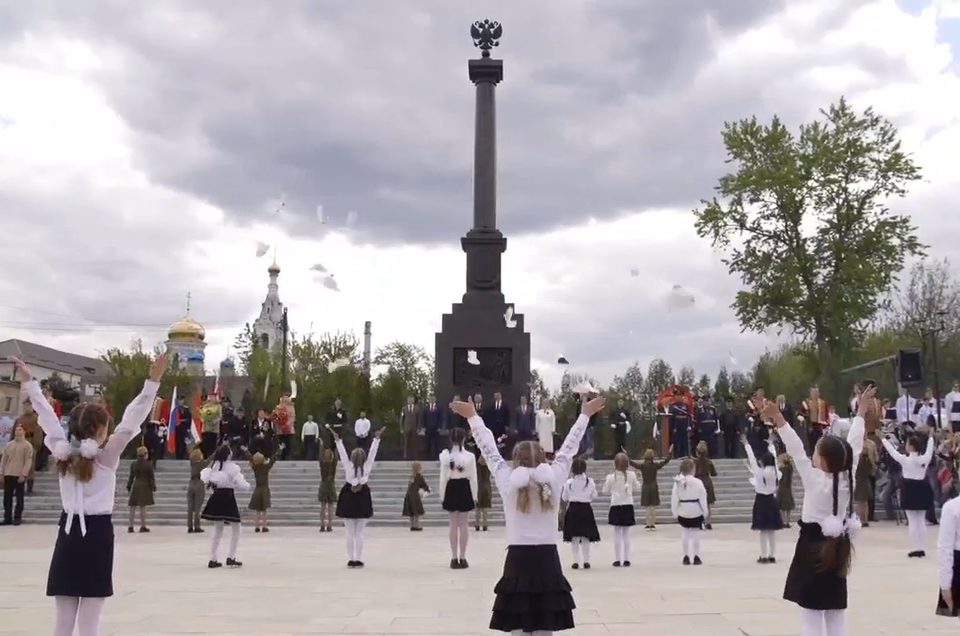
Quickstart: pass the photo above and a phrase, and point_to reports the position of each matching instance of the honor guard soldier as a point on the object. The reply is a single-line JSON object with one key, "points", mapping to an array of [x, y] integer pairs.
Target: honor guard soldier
{"points": [[680, 425], [708, 424], [816, 412]]}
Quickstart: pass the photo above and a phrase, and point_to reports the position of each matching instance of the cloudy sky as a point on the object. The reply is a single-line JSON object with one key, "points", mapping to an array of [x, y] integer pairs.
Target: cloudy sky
{"points": [[144, 149]]}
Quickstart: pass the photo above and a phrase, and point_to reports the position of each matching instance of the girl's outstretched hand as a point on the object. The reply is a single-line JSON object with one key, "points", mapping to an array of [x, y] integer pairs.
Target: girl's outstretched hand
{"points": [[594, 406], [159, 366], [466, 410], [26, 375], [379, 432]]}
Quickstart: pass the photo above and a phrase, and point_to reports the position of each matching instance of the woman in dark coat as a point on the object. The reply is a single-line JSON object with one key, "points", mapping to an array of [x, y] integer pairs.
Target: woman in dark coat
{"points": [[650, 491], [141, 484], [260, 499], [705, 471], [413, 500]]}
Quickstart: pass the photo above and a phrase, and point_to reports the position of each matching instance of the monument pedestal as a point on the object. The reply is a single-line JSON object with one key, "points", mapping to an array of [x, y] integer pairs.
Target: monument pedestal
{"points": [[477, 324]]}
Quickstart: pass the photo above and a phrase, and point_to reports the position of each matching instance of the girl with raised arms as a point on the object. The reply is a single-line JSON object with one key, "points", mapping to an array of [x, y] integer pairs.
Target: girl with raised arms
{"points": [[532, 596]]}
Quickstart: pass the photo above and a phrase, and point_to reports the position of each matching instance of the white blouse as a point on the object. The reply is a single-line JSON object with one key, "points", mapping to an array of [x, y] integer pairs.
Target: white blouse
{"points": [[818, 485], [914, 465], [539, 525], [688, 498], [464, 467], [94, 497], [350, 474], [227, 475], [361, 427], [620, 486], [579, 489], [948, 541], [764, 480]]}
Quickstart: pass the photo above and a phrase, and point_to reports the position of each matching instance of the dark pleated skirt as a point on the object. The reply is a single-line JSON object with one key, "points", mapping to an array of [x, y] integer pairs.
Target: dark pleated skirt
{"points": [[622, 516], [806, 585], [354, 505], [942, 609], [766, 513], [579, 521], [221, 506], [693, 523], [457, 496], [533, 594], [82, 566], [916, 494]]}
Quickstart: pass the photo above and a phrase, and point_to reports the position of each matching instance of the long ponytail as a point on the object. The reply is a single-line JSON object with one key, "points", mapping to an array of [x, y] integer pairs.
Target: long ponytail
{"points": [[836, 553]]}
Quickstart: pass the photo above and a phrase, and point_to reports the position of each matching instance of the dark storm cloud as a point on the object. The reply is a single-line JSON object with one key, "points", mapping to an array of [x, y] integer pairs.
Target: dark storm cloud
{"points": [[333, 104]]}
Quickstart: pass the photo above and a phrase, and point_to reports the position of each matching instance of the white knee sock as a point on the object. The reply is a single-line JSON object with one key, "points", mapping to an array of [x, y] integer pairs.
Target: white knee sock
{"points": [[358, 540], [350, 525], [234, 540], [811, 622], [89, 615], [464, 535], [695, 541], [66, 615], [215, 540], [575, 547], [771, 543], [685, 541], [917, 529], [763, 544], [585, 546], [626, 543], [835, 622], [618, 543]]}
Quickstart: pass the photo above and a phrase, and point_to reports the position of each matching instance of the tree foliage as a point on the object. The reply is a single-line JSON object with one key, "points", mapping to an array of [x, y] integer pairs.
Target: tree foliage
{"points": [[411, 363], [722, 386], [930, 294], [659, 377], [804, 220], [629, 386]]}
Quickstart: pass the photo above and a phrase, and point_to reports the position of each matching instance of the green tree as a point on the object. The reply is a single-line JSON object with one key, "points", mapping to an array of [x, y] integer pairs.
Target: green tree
{"points": [[741, 385], [703, 385], [659, 377], [722, 386], [538, 388], [412, 364], [629, 386], [805, 223], [791, 370], [687, 376]]}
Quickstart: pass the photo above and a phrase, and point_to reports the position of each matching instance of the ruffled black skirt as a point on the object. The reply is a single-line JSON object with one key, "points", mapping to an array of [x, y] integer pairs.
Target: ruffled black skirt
{"points": [[457, 496], [691, 523], [766, 513], [221, 506], [916, 494], [807, 585], [81, 565], [579, 521], [942, 609], [622, 516], [532, 595], [354, 505]]}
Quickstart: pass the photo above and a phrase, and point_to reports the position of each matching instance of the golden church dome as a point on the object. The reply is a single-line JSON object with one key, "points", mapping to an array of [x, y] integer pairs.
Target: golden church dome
{"points": [[186, 329]]}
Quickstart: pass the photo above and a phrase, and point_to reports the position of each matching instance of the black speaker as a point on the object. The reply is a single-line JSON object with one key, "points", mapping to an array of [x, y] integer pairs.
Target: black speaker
{"points": [[909, 368]]}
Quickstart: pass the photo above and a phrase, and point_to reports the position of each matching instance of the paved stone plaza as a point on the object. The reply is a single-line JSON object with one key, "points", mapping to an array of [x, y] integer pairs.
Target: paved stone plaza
{"points": [[295, 581]]}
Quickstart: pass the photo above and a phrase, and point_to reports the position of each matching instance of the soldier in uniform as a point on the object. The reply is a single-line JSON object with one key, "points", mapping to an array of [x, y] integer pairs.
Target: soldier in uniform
{"points": [[707, 424], [680, 425], [815, 412], [757, 431], [731, 426], [620, 423]]}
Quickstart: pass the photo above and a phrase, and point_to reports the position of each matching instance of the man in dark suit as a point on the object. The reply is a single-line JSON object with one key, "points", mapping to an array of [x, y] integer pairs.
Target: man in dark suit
{"points": [[262, 430], [184, 420], [433, 417], [731, 425], [410, 423], [707, 423], [524, 422], [456, 421], [336, 420], [498, 417], [620, 423]]}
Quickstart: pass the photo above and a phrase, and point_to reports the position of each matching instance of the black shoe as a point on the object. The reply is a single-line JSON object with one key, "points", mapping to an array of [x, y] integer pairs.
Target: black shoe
{"points": [[686, 560], [322, 529], [463, 564], [144, 529], [130, 529], [913, 554], [477, 528], [575, 566], [351, 564], [233, 563], [697, 561], [586, 566], [190, 530], [921, 554], [413, 529], [771, 559], [214, 564], [454, 564], [626, 564], [266, 529], [6, 522], [257, 529], [709, 526], [485, 528], [358, 564], [198, 529], [616, 564], [762, 560]]}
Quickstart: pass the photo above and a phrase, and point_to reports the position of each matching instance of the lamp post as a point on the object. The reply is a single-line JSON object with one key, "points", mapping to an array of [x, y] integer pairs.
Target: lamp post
{"points": [[285, 326]]}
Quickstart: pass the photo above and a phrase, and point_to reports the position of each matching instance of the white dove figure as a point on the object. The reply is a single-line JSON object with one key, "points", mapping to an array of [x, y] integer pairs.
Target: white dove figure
{"points": [[584, 388], [262, 248], [293, 389], [508, 317], [680, 298], [472, 358], [338, 364], [318, 268], [331, 283]]}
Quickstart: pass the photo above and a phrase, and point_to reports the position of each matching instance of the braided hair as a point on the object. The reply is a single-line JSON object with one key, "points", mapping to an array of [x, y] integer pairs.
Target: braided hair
{"points": [[837, 457]]}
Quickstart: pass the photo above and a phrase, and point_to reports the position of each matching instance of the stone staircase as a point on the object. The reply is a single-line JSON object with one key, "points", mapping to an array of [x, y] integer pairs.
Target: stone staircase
{"points": [[294, 485]]}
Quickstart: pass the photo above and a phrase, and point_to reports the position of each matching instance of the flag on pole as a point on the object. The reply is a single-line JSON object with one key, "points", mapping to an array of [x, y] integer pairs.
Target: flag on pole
{"points": [[216, 385], [196, 423], [172, 423]]}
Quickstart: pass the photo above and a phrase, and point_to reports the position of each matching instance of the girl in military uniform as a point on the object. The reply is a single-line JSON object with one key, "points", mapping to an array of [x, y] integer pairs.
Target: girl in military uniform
{"points": [[862, 486], [141, 484], [327, 496], [484, 489], [705, 471], [195, 490], [260, 499], [413, 501], [650, 491], [785, 488]]}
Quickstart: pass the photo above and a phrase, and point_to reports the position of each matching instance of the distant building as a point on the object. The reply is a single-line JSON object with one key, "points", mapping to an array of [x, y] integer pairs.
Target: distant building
{"points": [[83, 373], [185, 338], [268, 327]]}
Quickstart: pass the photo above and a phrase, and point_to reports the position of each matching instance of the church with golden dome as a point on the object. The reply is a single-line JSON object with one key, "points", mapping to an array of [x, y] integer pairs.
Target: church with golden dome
{"points": [[186, 339]]}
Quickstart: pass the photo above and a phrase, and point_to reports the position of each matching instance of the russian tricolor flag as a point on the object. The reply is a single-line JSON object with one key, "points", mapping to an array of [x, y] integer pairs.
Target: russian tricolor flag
{"points": [[172, 423]]}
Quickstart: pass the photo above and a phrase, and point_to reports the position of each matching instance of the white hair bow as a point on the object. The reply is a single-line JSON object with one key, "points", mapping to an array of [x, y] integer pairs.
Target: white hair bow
{"points": [[834, 527], [522, 477], [87, 448]]}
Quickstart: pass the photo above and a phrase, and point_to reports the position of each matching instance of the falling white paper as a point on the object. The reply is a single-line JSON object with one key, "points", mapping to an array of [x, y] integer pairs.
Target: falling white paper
{"points": [[330, 283], [351, 217], [318, 268], [320, 215], [508, 318], [679, 298], [635, 271], [733, 361], [262, 248], [293, 389], [472, 358], [584, 388]]}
